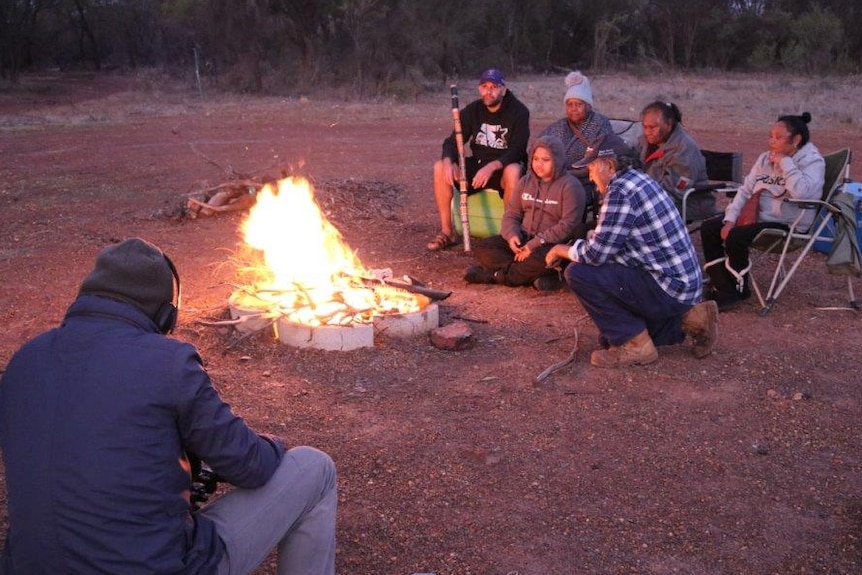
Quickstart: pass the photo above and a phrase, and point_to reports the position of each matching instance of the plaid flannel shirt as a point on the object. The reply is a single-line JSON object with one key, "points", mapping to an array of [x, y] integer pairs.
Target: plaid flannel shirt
{"points": [[639, 227]]}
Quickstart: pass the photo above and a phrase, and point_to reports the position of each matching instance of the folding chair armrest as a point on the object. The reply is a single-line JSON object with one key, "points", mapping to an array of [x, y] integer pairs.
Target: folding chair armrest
{"points": [[726, 188], [721, 187], [717, 187], [684, 204], [809, 204]]}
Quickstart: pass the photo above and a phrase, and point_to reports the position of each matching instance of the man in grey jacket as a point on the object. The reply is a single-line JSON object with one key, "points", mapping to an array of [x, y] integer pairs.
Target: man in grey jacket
{"points": [[100, 421]]}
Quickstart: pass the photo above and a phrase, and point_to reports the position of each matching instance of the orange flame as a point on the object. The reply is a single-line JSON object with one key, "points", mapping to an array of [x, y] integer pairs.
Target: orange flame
{"points": [[311, 276]]}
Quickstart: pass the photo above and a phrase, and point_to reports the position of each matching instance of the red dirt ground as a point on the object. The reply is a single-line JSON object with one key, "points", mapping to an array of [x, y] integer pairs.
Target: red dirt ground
{"points": [[746, 462]]}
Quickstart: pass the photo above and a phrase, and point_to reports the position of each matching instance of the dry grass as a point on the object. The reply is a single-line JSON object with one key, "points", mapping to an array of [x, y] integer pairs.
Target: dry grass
{"points": [[726, 101]]}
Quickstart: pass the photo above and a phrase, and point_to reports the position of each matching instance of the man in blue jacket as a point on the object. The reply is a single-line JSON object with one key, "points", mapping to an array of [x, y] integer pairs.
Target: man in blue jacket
{"points": [[99, 419]]}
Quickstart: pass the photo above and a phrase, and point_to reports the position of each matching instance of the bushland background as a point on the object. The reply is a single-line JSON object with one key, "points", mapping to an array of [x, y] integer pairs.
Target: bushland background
{"points": [[404, 47]]}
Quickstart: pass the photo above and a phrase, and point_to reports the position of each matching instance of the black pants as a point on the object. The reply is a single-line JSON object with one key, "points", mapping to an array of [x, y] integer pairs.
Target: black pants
{"points": [[494, 254], [735, 247], [495, 182]]}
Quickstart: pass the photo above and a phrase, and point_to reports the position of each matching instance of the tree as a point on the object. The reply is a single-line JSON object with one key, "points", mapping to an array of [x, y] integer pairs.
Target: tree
{"points": [[817, 37], [18, 33]]}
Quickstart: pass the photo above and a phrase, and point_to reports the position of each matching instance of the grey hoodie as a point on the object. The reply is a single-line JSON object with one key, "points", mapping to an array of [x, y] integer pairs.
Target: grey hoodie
{"points": [[545, 212]]}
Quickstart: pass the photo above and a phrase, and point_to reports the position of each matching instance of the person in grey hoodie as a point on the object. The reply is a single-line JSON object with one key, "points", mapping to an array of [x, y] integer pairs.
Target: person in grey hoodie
{"points": [[547, 208], [792, 168]]}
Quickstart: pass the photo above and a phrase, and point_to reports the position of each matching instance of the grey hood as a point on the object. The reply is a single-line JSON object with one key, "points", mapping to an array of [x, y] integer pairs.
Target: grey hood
{"points": [[557, 149]]}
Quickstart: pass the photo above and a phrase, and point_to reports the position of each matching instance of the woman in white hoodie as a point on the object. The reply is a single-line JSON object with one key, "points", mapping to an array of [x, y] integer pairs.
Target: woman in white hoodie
{"points": [[792, 168]]}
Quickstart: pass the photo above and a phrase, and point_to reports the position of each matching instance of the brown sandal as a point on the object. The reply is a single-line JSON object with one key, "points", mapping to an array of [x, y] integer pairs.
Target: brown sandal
{"points": [[440, 242]]}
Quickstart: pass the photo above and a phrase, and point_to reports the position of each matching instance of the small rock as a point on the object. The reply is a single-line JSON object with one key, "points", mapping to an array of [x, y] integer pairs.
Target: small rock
{"points": [[455, 336]]}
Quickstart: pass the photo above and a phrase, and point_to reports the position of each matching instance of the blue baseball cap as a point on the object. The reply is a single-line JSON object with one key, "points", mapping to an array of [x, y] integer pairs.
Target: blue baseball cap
{"points": [[492, 75]]}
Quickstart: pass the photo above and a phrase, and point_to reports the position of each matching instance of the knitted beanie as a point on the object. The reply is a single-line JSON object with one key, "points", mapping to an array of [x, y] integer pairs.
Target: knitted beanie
{"points": [[578, 86], [134, 271]]}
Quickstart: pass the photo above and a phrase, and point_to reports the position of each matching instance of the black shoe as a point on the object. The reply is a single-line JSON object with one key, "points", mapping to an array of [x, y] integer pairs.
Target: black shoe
{"points": [[548, 284], [479, 275]]}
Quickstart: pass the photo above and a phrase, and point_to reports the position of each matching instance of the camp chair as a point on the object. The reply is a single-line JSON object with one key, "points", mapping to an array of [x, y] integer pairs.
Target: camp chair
{"points": [[724, 171], [801, 238], [485, 213], [628, 130]]}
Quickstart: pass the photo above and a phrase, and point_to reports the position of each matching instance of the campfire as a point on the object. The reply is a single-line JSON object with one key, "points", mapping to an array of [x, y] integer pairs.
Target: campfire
{"points": [[309, 284]]}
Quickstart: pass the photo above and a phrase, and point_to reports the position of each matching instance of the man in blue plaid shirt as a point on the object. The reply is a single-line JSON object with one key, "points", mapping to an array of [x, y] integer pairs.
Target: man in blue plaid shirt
{"points": [[637, 275]]}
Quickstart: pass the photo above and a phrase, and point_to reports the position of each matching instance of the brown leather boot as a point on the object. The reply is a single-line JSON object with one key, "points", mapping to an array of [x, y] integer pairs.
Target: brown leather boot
{"points": [[700, 324], [639, 350]]}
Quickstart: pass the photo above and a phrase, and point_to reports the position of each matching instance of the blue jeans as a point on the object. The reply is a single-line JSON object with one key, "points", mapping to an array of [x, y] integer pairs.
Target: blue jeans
{"points": [[293, 513], [624, 301]]}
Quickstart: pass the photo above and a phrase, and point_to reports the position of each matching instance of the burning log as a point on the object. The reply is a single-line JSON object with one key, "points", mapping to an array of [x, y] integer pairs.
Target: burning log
{"points": [[430, 293]]}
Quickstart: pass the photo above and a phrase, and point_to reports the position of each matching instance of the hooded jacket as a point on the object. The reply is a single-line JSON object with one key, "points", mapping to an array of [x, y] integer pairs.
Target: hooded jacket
{"points": [[677, 165], [96, 418], [545, 212], [800, 177]]}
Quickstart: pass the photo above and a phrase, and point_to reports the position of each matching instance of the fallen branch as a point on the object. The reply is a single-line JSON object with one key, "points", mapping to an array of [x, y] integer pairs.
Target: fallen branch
{"points": [[471, 319], [245, 336], [236, 321], [232, 207], [561, 364], [228, 170], [248, 184]]}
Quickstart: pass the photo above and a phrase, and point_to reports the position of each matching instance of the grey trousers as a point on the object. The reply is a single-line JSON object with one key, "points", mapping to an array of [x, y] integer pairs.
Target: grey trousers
{"points": [[293, 513]]}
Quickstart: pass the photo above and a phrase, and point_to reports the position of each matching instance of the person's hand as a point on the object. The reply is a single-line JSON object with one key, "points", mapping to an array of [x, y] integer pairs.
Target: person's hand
{"points": [[523, 253], [483, 176], [725, 229], [556, 255], [776, 157], [450, 172], [515, 244]]}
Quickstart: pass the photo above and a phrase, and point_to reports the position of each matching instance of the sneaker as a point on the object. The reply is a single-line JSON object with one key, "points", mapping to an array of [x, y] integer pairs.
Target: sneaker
{"points": [[639, 350], [700, 324], [479, 275], [549, 283]]}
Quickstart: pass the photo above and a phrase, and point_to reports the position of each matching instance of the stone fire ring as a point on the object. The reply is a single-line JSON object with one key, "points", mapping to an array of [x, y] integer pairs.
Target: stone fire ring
{"points": [[337, 337]]}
